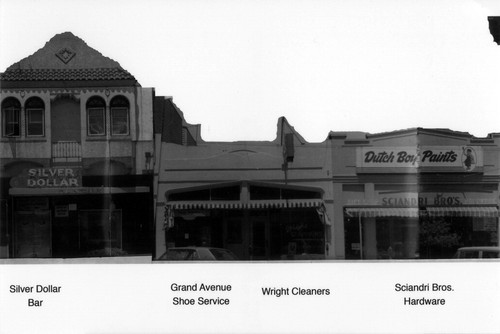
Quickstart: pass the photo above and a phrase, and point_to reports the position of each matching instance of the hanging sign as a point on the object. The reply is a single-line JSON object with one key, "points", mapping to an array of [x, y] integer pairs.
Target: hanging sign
{"points": [[61, 211]]}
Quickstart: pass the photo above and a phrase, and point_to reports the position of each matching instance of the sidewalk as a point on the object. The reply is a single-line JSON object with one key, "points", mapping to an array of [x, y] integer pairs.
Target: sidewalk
{"points": [[89, 260]]}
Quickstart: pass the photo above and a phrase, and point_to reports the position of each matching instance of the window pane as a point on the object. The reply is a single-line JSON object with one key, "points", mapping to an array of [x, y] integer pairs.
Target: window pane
{"points": [[34, 122], [119, 121], [34, 103], [96, 121], [11, 122]]}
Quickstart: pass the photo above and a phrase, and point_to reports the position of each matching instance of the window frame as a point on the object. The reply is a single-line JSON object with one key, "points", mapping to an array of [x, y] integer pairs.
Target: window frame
{"points": [[15, 109], [102, 117], [15, 112], [113, 117], [96, 103], [119, 103], [34, 104], [30, 122]]}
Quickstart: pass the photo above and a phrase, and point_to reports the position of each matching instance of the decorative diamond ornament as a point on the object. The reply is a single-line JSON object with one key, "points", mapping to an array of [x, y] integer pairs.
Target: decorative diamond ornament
{"points": [[65, 54]]}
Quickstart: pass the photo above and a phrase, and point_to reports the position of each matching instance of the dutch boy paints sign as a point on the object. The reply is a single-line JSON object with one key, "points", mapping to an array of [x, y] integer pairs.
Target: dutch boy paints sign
{"points": [[466, 157]]}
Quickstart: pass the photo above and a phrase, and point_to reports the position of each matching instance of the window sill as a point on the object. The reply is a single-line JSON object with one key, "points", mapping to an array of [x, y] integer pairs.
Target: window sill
{"points": [[23, 140], [105, 139]]}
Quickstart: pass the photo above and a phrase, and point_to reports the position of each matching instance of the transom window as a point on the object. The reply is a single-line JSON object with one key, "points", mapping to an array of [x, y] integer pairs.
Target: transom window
{"points": [[11, 119], [119, 116], [96, 117], [35, 122]]}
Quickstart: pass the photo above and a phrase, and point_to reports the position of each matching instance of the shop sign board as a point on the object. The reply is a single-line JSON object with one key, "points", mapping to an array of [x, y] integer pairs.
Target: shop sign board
{"points": [[413, 199], [467, 158], [53, 177]]}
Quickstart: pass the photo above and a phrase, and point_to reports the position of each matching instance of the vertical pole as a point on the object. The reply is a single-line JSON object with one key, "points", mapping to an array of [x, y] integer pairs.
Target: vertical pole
{"points": [[107, 117], [361, 237], [13, 234], [325, 248]]}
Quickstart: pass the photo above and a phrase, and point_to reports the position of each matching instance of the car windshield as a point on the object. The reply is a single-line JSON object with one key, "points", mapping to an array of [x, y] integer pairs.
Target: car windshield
{"points": [[179, 255], [222, 254]]}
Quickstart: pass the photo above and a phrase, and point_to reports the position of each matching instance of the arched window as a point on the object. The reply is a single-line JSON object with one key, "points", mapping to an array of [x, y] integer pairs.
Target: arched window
{"points": [[35, 119], [96, 117], [120, 116], [11, 117]]}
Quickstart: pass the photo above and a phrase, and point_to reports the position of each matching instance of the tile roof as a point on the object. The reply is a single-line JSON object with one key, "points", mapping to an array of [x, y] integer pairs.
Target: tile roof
{"points": [[80, 74], [65, 57]]}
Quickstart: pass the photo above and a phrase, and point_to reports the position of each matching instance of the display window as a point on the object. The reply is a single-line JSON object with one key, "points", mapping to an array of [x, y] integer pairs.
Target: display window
{"points": [[252, 234], [427, 236], [255, 221]]}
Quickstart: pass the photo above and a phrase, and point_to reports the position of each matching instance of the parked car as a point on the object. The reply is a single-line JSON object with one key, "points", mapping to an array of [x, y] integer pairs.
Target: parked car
{"points": [[484, 252], [197, 254]]}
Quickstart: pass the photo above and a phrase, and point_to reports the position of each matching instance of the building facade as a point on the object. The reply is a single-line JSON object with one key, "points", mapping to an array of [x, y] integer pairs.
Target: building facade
{"points": [[76, 151], [93, 164], [411, 194], [265, 200], [419, 193]]}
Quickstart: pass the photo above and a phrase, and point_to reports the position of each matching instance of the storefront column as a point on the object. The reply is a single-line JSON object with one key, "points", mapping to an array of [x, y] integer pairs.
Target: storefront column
{"points": [[369, 238], [333, 253], [336, 212], [4, 236], [411, 240], [498, 226], [161, 242]]}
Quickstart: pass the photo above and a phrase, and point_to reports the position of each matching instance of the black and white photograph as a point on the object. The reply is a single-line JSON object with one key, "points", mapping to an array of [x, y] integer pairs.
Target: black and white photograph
{"points": [[249, 166]]}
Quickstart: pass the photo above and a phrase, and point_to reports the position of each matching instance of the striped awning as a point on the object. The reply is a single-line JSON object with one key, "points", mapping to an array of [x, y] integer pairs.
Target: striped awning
{"points": [[438, 211], [382, 212], [261, 204], [463, 211]]}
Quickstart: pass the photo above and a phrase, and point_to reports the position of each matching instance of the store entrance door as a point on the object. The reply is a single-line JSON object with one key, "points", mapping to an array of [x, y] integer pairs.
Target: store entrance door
{"points": [[100, 233], [259, 238], [33, 234], [235, 240]]}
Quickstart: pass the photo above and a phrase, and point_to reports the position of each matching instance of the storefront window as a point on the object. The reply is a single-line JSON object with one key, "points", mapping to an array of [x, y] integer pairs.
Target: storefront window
{"points": [[267, 234], [302, 234], [438, 238], [424, 237], [254, 221]]}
